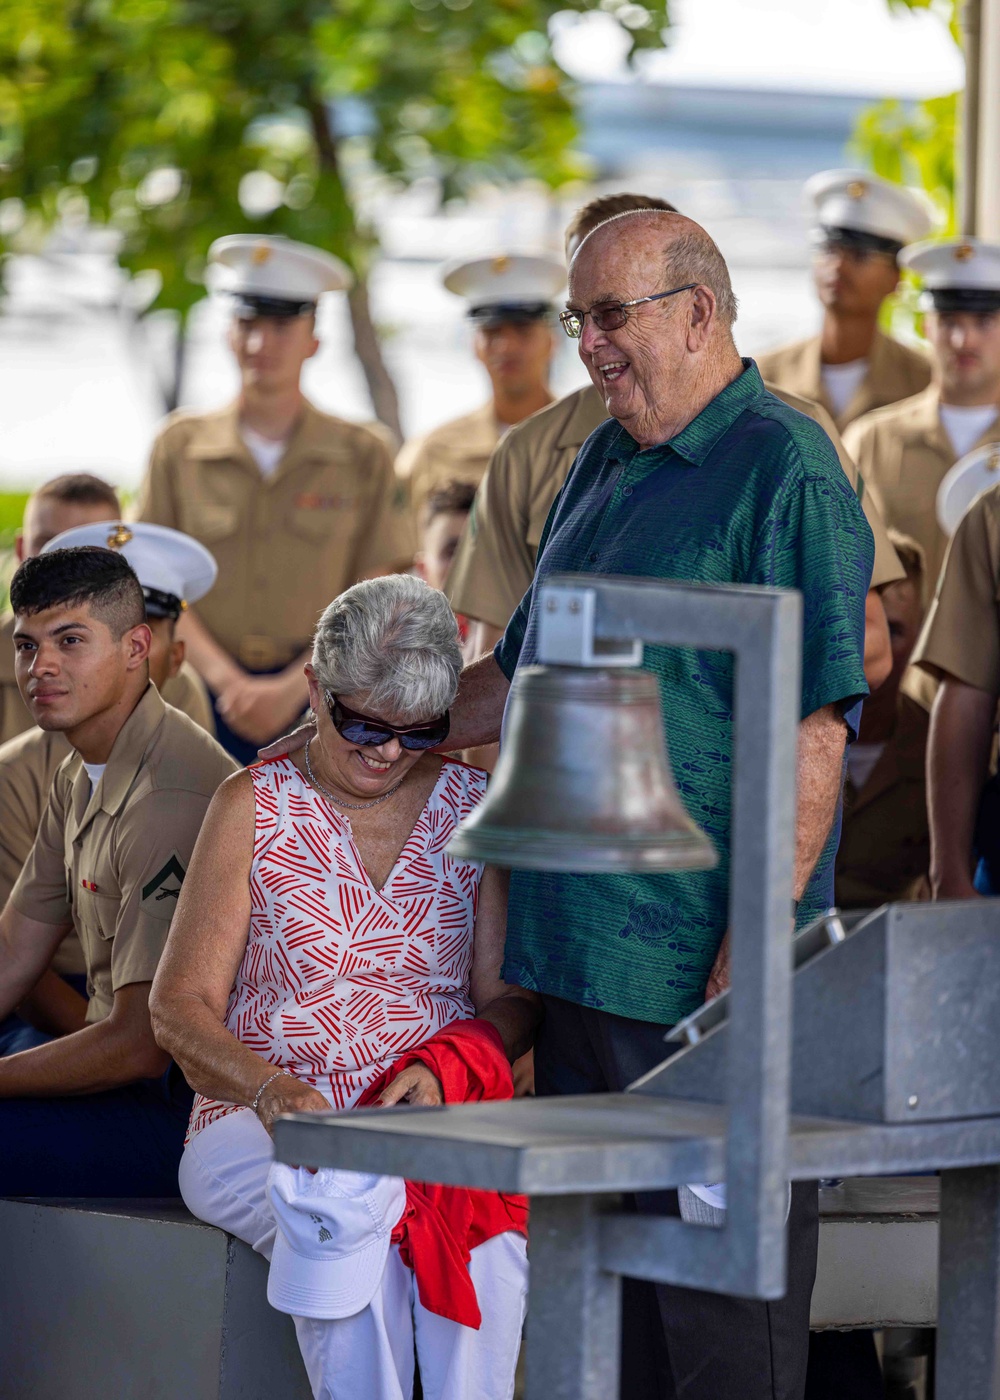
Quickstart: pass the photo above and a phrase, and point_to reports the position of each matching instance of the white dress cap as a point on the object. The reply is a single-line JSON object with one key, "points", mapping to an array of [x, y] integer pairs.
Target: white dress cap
{"points": [[971, 475], [959, 274], [860, 202], [332, 1240], [510, 284], [172, 568], [266, 272]]}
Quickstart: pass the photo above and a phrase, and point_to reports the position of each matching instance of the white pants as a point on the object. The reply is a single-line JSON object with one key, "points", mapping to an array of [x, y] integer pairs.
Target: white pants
{"points": [[223, 1174]]}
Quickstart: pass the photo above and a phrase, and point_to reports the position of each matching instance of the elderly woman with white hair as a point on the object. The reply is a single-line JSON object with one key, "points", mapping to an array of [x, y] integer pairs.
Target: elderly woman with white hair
{"points": [[324, 935]]}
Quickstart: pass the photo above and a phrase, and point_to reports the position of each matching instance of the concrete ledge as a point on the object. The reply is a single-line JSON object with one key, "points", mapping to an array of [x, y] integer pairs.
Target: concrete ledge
{"points": [[136, 1300]]}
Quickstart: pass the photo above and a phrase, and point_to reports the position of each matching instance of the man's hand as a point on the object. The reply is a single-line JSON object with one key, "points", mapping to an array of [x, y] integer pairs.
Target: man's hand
{"points": [[414, 1085], [958, 751], [255, 707], [289, 743], [718, 978]]}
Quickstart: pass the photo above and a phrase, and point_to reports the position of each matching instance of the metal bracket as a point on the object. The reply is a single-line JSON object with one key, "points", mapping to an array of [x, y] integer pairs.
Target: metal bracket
{"points": [[566, 631]]}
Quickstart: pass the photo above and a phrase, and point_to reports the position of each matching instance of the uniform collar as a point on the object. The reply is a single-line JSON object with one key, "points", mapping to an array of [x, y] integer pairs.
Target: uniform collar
{"points": [[219, 438], [124, 762], [587, 412], [923, 425], [699, 438]]}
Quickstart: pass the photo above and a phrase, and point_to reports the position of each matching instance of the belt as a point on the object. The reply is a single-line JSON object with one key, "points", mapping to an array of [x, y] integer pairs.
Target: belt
{"points": [[256, 653]]}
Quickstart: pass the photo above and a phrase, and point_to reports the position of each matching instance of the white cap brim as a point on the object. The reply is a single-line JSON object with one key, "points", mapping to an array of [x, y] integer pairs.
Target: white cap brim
{"points": [[325, 1288]]}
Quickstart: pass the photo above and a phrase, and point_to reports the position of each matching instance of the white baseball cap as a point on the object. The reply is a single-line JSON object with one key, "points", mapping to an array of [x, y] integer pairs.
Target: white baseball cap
{"points": [[959, 274], [273, 276], [172, 568], [971, 475], [509, 286], [861, 207], [333, 1238]]}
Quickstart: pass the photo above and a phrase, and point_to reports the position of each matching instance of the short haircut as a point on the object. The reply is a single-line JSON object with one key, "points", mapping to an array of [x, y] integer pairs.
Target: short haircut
{"points": [[911, 556], [606, 206], [80, 489], [394, 638], [451, 498], [101, 578]]}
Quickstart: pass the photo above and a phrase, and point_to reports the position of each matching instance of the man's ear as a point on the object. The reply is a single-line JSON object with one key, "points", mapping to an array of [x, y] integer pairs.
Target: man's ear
{"points": [[139, 639], [19, 546], [702, 321]]}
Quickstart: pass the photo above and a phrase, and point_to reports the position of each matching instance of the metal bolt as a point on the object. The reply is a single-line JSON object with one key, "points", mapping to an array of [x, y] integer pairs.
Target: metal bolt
{"points": [[912, 1101], [552, 605], [574, 605]]}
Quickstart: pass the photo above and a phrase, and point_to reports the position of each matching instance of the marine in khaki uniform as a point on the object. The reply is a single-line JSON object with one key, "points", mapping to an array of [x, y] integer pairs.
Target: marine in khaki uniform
{"points": [[960, 648], [295, 505], [884, 850], [99, 1111], [172, 570], [509, 303], [905, 451], [860, 224]]}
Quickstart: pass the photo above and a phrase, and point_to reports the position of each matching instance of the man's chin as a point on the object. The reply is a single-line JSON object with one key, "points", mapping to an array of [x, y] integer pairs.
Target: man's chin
{"points": [[52, 720]]}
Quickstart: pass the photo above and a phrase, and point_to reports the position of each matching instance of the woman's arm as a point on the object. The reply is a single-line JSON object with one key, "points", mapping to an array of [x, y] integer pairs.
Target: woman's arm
{"points": [[208, 936], [514, 1011]]}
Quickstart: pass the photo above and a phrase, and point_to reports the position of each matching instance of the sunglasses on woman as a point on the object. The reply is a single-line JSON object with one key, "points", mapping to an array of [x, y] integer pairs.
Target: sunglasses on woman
{"points": [[366, 731]]}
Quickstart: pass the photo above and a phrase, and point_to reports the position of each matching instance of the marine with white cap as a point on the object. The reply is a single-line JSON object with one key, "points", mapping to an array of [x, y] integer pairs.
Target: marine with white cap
{"points": [[295, 504], [509, 302], [173, 571], [905, 451], [860, 224]]}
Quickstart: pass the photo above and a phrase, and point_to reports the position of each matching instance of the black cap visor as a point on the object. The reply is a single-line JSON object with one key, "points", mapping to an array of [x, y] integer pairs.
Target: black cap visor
{"points": [[977, 301], [160, 604], [827, 236], [248, 308], [517, 313]]}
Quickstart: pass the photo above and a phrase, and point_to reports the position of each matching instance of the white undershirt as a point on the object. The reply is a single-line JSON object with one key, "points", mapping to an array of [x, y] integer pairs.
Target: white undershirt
{"points": [[842, 382], [265, 451], [965, 426], [861, 760], [95, 772]]}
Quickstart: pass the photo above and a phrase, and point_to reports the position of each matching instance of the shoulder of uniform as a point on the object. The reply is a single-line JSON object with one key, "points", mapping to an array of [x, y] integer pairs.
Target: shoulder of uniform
{"points": [[361, 434], [183, 423], [892, 419], [33, 743], [908, 351], [781, 354], [456, 429], [184, 758]]}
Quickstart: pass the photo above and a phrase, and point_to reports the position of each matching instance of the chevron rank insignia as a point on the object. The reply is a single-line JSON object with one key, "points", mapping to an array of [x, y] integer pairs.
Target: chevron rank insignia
{"points": [[159, 895]]}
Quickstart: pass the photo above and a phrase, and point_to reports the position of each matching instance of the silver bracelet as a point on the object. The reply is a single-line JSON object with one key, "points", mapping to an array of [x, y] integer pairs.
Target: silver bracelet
{"points": [[270, 1080]]}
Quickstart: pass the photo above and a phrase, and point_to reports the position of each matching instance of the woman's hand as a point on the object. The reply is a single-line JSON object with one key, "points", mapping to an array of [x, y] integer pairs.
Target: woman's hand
{"points": [[414, 1085], [289, 1095]]}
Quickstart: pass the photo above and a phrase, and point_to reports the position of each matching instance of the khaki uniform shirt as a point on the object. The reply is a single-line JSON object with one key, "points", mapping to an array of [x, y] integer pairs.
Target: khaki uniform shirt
{"points": [[884, 851], [28, 765], [895, 372], [961, 636], [495, 562], [287, 544], [903, 452], [457, 451], [113, 861]]}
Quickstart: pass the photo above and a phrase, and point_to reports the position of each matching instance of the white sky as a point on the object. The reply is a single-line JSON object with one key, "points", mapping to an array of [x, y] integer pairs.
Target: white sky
{"points": [[854, 46]]}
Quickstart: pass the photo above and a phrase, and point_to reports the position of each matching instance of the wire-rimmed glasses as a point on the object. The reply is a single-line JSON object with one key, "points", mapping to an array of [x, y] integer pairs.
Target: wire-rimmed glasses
{"points": [[611, 315]]}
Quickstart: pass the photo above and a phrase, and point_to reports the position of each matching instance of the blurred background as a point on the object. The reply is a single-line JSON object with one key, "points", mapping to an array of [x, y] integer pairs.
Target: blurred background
{"points": [[399, 133]]}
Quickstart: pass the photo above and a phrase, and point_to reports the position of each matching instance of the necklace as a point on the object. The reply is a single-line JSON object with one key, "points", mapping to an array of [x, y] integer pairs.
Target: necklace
{"points": [[338, 801]]}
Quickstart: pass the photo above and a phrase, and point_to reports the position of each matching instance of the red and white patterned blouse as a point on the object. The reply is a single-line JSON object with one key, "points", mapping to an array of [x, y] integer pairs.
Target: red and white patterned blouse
{"points": [[340, 979]]}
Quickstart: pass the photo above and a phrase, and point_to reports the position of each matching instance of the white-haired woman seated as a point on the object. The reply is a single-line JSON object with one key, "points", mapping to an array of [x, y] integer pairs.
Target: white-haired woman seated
{"points": [[322, 935]]}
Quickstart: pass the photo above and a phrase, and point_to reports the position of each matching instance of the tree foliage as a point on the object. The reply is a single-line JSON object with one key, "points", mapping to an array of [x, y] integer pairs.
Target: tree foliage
{"points": [[175, 121]]}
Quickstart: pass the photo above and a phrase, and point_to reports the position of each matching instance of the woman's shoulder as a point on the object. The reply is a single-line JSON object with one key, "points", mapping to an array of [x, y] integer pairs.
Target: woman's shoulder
{"points": [[462, 780]]}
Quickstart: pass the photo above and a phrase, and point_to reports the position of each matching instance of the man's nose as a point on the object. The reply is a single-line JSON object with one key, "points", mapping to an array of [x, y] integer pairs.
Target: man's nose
{"points": [[591, 337], [45, 662]]}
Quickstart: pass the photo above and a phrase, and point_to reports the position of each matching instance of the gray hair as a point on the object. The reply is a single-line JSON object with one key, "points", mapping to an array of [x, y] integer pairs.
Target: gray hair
{"points": [[395, 638]]}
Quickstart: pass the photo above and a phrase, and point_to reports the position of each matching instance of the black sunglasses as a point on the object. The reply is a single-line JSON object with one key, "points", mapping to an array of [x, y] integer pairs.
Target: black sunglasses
{"points": [[367, 731]]}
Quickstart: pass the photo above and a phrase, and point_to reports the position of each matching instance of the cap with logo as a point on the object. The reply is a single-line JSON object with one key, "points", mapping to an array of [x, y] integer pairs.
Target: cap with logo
{"points": [[508, 287], [172, 568], [273, 276], [971, 475], [332, 1240], [959, 274], [858, 209]]}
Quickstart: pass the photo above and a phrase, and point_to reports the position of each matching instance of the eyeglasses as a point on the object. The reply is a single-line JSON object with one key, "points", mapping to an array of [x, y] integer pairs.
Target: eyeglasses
{"points": [[611, 315], [367, 731]]}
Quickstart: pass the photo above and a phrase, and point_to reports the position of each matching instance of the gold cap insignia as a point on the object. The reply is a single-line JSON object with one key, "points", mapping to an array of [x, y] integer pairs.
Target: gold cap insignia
{"points": [[119, 536], [993, 464], [964, 252], [501, 264], [857, 189], [261, 254]]}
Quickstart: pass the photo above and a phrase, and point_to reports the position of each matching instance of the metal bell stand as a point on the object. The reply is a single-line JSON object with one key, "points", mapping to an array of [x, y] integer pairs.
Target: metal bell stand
{"points": [[896, 1075]]}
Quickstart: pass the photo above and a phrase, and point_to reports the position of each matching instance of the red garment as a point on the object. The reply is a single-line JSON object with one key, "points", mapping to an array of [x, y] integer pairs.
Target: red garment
{"points": [[441, 1225]]}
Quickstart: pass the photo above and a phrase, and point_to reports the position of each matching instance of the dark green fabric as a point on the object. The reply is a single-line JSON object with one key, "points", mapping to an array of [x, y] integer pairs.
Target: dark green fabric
{"points": [[750, 492]]}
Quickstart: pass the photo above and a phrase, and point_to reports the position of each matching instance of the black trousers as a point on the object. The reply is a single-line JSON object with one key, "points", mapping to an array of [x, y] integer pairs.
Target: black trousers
{"points": [[683, 1343]]}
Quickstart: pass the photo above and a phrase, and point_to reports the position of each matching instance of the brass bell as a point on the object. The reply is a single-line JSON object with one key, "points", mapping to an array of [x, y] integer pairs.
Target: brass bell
{"points": [[583, 782]]}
